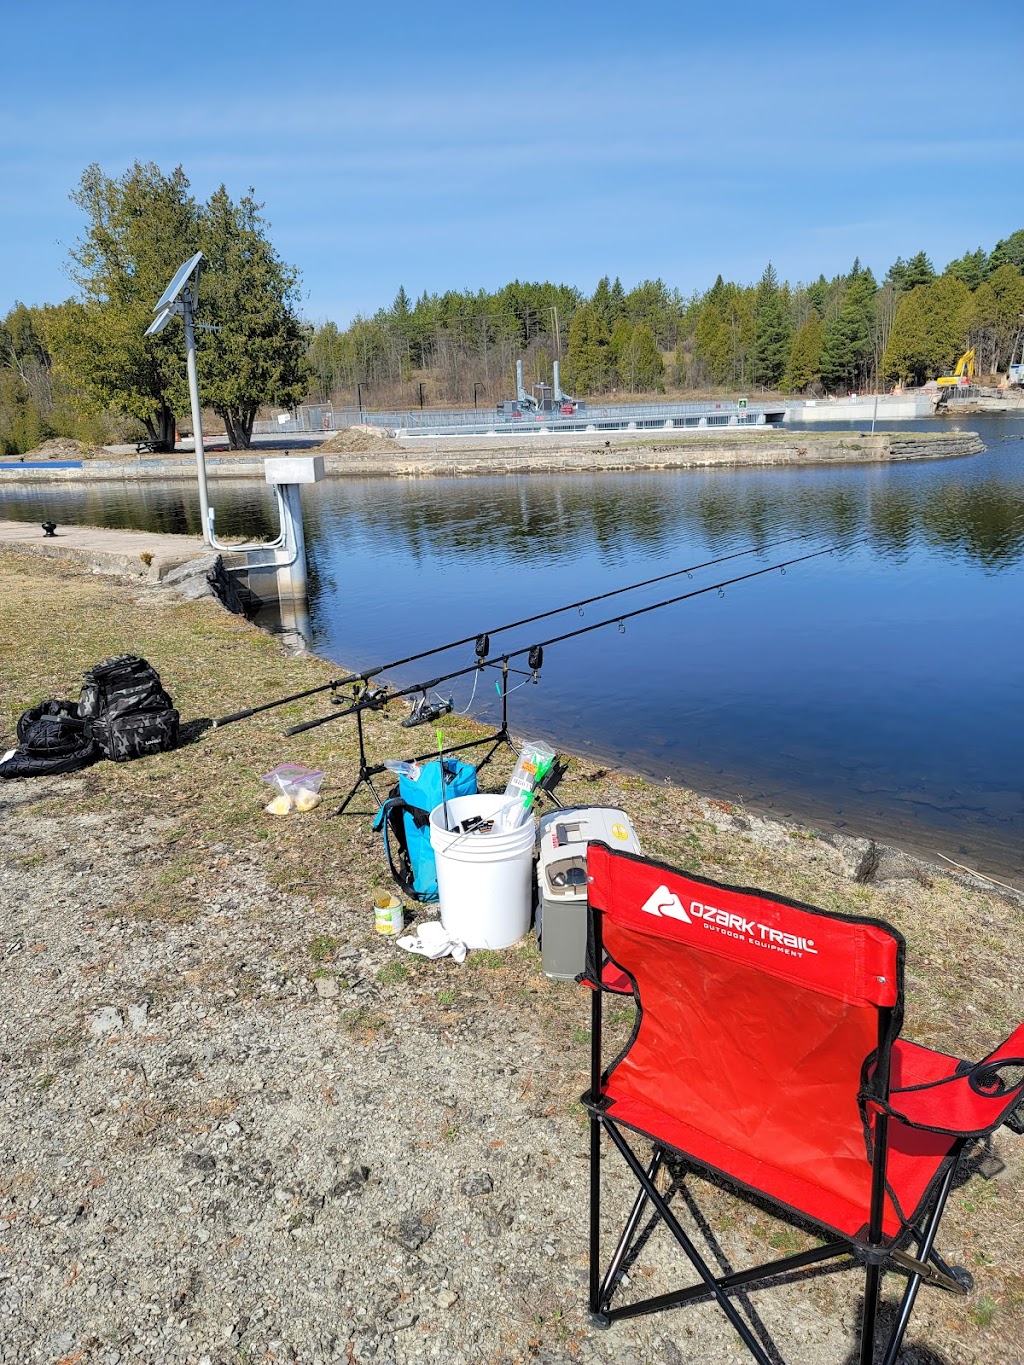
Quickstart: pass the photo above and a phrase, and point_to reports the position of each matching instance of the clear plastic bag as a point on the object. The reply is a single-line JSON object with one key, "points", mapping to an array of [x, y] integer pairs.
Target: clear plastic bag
{"points": [[535, 762], [297, 787]]}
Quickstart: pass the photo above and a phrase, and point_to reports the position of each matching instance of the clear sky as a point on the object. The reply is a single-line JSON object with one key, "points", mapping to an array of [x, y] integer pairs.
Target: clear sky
{"points": [[455, 145]]}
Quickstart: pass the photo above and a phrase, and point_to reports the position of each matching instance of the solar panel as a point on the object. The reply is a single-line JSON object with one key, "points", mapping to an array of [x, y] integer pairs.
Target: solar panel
{"points": [[176, 285]]}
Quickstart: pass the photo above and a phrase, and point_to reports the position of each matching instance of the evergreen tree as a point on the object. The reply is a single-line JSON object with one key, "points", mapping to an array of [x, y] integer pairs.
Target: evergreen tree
{"points": [[641, 368], [847, 350], [1010, 251], [919, 271], [929, 331], [257, 353], [897, 274], [1007, 286], [804, 367], [653, 303], [139, 227], [773, 335], [608, 302], [971, 267], [587, 359], [906, 356], [621, 337], [818, 294]]}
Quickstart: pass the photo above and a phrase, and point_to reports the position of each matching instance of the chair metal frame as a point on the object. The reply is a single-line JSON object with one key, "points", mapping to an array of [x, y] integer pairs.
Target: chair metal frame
{"points": [[875, 1251]]}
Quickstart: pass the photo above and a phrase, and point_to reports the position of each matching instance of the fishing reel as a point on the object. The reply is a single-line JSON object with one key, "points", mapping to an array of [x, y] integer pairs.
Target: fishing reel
{"points": [[424, 711], [367, 696]]}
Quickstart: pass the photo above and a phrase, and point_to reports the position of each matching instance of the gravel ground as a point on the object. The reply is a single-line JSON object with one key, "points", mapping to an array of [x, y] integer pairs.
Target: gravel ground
{"points": [[237, 1125], [210, 1155]]}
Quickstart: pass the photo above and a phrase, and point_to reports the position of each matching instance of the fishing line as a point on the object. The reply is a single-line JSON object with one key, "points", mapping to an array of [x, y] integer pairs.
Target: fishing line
{"points": [[335, 683], [535, 651]]}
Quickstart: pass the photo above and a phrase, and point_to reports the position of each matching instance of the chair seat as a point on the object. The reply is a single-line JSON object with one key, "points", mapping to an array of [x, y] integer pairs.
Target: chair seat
{"points": [[915, 1158]]}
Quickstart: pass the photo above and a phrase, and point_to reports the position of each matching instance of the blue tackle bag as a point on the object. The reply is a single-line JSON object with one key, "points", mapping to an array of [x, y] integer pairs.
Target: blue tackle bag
{"points": [[405, 821]]}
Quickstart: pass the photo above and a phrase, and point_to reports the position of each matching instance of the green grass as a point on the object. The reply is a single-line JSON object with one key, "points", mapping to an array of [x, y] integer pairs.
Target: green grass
{"points": [[323, 948], [393, 972], [984, 1311]]}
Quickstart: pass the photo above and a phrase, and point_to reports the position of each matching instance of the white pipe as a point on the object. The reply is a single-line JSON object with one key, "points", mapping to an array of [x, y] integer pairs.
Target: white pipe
{"points": [[277, 543]]}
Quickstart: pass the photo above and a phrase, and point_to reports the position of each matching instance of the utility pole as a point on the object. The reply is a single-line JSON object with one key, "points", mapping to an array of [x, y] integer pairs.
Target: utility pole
{"points": [[557, 335]]}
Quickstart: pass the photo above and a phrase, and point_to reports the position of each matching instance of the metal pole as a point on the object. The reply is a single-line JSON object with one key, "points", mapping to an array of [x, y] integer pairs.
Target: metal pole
{"points": [[359, 397], [874, 413], [197, 420]]}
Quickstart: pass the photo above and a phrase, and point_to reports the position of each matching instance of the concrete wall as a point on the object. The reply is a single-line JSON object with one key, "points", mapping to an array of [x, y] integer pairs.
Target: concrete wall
{"points": [[861, 409]]}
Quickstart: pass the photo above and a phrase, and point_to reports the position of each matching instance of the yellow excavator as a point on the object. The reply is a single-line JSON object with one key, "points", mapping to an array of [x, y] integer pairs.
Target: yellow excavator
{"points": [[962, 375]]}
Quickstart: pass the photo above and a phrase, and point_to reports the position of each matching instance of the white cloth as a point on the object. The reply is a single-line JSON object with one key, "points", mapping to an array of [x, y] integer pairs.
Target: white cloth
{"points": [[433, 940]]}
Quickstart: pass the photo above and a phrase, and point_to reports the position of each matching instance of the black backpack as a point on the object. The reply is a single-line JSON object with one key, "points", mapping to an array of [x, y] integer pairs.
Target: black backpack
{"points": [[52, 739], [128, 713]]}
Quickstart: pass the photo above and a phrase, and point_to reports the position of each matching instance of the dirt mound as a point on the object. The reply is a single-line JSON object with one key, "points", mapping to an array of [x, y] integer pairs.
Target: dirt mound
{"points": [[67, 448], [355, 440]]}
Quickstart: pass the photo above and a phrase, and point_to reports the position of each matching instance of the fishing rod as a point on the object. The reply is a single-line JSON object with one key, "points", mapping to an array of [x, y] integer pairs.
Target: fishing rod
{"points": [[484, 637], [535, 652]]}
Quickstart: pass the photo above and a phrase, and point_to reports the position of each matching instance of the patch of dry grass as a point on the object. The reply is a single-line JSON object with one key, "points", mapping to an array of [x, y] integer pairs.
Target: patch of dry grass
{"points": [[56, 620]]}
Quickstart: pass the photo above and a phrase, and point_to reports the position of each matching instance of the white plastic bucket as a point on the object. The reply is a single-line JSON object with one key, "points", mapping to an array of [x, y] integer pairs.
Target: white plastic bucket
{"points": [[484, 881]]}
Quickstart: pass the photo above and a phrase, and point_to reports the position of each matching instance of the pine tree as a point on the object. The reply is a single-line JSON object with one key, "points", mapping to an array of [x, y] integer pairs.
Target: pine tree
{"points": [[919, 271], [847, 348], [773, 335], [1009, 251], [971, 267]]}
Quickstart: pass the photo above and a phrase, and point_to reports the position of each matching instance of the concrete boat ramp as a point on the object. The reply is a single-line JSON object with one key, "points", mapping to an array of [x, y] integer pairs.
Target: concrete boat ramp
{"points": [[143, 554]]}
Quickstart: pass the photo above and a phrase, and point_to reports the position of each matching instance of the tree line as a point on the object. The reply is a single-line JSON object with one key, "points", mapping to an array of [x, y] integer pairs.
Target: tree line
{"points": [[84, 368], [842, 334]]}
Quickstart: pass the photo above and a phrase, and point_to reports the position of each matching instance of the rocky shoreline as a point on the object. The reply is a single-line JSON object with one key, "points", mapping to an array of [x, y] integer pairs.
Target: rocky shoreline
{"points": [[237, 1124], [423, 457]]}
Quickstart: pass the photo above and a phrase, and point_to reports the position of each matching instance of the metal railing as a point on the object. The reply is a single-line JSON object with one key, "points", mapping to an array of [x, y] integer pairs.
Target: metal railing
{"points": [[593, 417]]}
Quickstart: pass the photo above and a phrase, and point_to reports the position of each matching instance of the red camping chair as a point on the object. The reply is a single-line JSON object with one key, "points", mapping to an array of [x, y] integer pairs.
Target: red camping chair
{"points": [[766, 1048]]}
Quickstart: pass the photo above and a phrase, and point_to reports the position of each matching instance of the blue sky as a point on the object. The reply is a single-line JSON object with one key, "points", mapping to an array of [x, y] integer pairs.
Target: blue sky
{"points": [[454, 146]]}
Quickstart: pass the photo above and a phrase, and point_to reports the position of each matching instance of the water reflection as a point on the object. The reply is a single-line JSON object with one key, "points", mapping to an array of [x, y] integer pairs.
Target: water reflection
{"points": [[878, 689]]}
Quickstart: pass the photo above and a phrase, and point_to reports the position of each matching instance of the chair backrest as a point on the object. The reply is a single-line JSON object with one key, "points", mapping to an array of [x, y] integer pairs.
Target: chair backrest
{"points": [[756, 1017]]}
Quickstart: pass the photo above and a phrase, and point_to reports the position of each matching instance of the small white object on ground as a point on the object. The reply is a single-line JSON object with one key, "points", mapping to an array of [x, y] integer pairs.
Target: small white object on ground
{"points": [[433, 940], [106, 1020]]}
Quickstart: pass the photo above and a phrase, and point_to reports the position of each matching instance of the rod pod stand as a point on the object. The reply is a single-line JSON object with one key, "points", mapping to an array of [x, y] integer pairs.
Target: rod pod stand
{"points": [[368, 771]]}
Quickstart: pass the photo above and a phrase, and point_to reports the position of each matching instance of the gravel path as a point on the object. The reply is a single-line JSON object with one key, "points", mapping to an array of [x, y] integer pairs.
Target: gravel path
{"points": [[210, 1156]]}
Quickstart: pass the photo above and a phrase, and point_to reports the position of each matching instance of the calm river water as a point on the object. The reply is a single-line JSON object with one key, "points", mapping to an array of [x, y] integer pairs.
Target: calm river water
{"points": [[879, 689]]}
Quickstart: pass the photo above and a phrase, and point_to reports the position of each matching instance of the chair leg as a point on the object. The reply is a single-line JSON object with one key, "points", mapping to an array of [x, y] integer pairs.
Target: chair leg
{"points": [[924, 1254], [872, 1284], [595, 1216], [696, 1260], [607, 1284]]}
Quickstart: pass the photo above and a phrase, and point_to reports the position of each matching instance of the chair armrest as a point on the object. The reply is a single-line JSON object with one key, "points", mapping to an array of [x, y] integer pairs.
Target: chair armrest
{"points": [[943, 1095]]}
